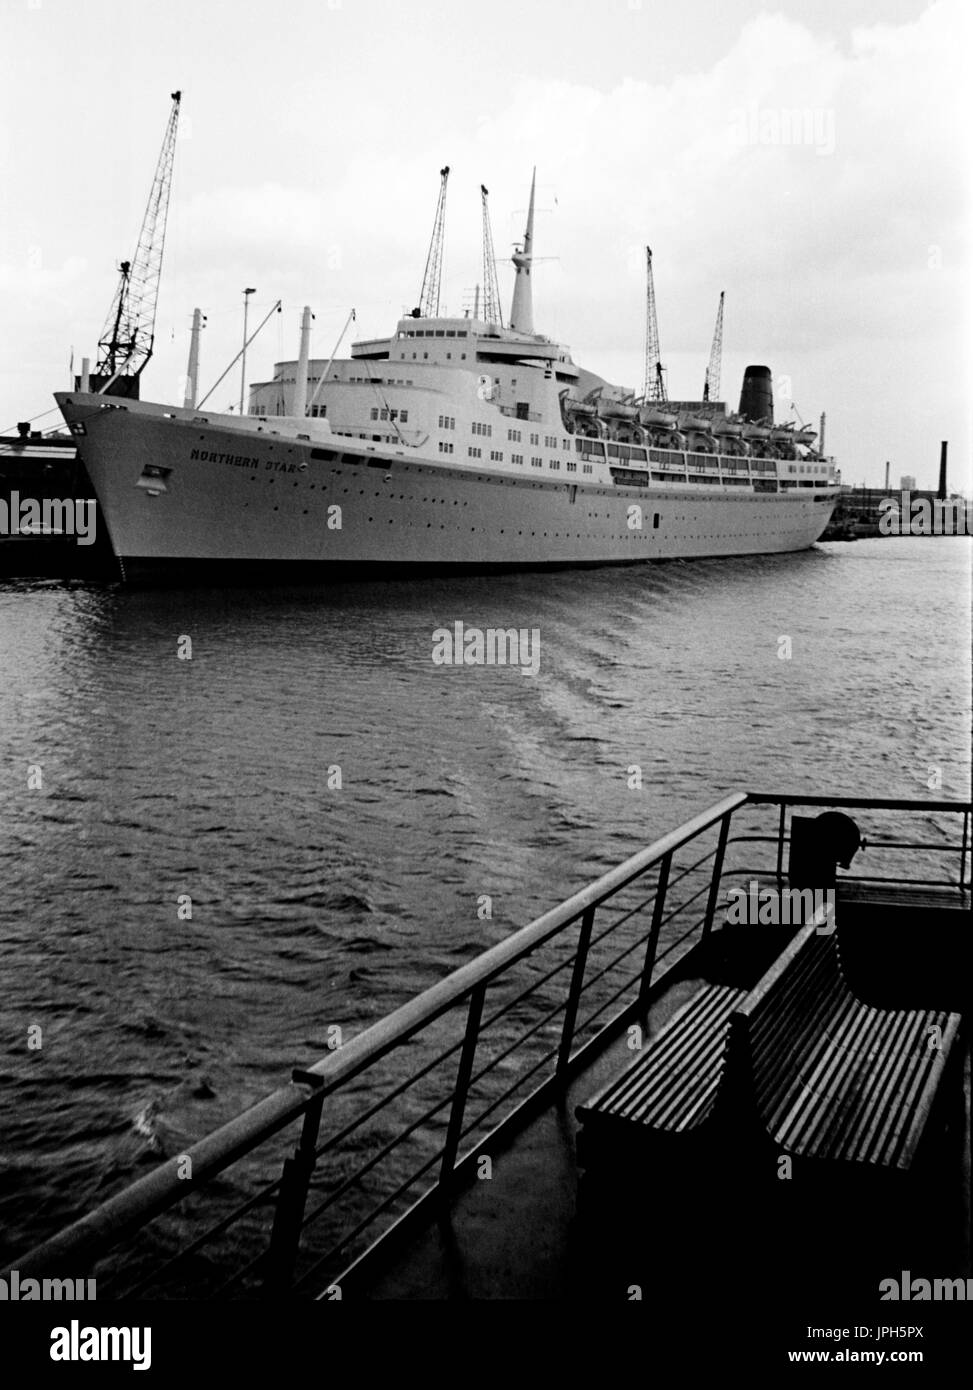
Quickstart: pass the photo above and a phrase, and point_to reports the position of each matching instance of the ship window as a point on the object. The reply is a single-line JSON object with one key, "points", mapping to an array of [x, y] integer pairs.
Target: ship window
{"points": [[516, 458], [536, 462], [384, 415], [450, 332], [655, 521], [587, 468], [613, 451], [555, 464], [403, 415], [535, 439], [571, 466]]}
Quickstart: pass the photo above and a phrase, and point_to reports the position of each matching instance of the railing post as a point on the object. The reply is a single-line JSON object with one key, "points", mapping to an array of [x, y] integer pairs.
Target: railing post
{"points": [[964, 850], [780, 844], [285, 1237], [657, 911], [714, 888], [574, 994], [465, 1071]]}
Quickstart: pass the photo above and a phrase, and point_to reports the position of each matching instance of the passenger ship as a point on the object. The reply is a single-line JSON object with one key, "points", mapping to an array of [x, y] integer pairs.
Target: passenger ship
{"points": [[456, 441]]}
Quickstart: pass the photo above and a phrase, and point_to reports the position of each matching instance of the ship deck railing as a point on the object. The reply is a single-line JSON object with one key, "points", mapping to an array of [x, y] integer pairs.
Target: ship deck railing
{"points": [[364, 1146]]}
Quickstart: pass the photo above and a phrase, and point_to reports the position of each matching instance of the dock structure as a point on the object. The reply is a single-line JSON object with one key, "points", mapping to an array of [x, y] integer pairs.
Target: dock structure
{"points": [[436, 1154], [872, 511]]}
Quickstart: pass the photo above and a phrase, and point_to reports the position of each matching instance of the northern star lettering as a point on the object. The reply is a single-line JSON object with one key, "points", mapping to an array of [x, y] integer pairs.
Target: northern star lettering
{"points": [[233, 460]]}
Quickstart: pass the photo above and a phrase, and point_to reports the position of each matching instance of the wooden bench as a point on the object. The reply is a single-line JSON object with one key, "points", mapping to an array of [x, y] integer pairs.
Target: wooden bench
{"points": [[671, 1087], [798, 1060], [824, 1075]]}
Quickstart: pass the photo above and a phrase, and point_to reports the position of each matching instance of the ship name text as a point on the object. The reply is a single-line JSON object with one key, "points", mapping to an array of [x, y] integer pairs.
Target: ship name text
{"points": [[232, 460]]}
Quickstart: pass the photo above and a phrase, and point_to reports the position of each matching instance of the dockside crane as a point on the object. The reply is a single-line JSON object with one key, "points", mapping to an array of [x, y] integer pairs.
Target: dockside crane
{"points": [[126, 341], [428, 307], [491, 288], [711, 386], [653, 386]]}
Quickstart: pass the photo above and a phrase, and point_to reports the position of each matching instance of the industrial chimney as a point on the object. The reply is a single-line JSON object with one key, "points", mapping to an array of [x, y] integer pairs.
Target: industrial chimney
{"points": [[757, 396], [942, 470]]}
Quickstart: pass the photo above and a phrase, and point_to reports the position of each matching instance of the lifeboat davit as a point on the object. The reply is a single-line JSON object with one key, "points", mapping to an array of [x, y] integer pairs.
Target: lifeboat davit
{"points": [[729, 437], [669, 439], [782, 438], [733, 445], [701, 442]]}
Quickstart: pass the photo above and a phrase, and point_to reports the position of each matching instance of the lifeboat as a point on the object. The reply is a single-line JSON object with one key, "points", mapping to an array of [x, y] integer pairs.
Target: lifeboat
{"points": [[617, 410], [653, 417], [576, 407], [698, 424], [724, 426]]}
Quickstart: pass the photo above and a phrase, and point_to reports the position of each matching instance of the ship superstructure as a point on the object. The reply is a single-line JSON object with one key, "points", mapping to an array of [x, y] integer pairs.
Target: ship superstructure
{"points": [[489, 445]]}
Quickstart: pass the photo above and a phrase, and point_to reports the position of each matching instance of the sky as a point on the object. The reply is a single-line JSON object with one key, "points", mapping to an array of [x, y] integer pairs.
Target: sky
{"points": [[808, 157]]}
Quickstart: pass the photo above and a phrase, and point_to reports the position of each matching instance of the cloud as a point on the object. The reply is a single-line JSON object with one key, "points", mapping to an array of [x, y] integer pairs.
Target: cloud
{"points": [[813, 176]]}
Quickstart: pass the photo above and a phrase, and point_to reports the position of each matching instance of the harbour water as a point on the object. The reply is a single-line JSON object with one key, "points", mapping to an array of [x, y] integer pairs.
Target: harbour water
{"points": [[347, 820]]}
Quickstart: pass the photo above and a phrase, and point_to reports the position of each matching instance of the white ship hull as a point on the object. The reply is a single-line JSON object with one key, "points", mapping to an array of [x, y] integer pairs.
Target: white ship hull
{"points": [[176, 487]]}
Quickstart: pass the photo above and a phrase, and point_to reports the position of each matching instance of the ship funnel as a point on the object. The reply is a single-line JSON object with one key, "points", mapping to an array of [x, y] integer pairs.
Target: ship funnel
{"points": [[757, 396], [522, 308]]}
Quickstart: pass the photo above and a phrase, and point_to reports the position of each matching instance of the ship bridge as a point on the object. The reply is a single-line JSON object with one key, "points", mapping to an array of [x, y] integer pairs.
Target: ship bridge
{"points": [[464, 342]]}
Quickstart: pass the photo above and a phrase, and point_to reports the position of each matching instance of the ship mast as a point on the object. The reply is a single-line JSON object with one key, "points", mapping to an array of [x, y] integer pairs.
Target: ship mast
{"points": [[428, 307], [491, 289], [126, 341], [522, 307], [653, 386], [711, 386]]}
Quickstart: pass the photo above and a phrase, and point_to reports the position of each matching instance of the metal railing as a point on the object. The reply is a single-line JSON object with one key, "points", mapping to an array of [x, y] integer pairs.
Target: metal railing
{"points": [[409, 1104]]}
